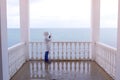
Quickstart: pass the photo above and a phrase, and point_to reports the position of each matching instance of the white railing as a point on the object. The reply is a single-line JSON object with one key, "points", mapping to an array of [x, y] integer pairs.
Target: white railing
{"points": [[16, 58], [105, 57], [61, 51]]}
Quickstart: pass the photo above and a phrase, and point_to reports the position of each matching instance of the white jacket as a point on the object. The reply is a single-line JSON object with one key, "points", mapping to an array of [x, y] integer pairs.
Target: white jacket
{"points": [[47, 41]]}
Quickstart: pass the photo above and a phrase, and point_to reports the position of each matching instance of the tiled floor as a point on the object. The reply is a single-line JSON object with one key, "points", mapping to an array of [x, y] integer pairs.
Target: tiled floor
{"points": [[61, 70]]}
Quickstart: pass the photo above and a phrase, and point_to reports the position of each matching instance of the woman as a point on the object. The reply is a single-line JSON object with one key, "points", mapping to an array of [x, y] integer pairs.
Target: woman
{"points": [[47, 41]]}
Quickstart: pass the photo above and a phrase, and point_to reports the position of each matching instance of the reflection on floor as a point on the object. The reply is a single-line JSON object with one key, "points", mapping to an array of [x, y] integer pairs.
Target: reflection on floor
{"points": [[61, 70]]}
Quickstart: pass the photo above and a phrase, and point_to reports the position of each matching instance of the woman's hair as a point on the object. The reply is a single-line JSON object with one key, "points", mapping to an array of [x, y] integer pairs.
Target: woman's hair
{"points": [[46, 33]]}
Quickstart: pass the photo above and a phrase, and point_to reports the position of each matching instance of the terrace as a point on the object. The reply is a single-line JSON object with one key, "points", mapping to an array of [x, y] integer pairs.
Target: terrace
{"points": [[70, 60]]}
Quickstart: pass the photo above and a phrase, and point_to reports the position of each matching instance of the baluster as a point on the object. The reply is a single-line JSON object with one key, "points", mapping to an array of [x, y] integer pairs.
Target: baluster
{"points": [[75, 47], [34, 54], [104, 64], [36, 57], [114, 55], [106, 61], [83, 50], [40, 50], [58, 52], [70, 50], [86, 49], [110, 62], [62, 50], [34, 50], [32, 45], [88, 55], [66, 51], [66, 47], [113, 62], [53, 50], [107, 65], [75, 50], [105, 57], [71, 47], [79, 50], [62, 46]]}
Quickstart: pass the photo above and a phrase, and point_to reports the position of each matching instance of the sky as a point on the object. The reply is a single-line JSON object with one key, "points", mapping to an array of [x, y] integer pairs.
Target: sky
{"points": [[62, 13]]}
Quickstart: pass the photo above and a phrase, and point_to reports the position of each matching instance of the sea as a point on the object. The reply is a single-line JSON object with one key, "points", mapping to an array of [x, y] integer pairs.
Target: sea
{"points": [[107, 35]]}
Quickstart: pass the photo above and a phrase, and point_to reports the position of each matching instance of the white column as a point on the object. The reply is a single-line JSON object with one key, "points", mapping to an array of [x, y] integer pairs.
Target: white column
{"points": [[4, 68], [117, 75], [95, 24], [24, 24]]}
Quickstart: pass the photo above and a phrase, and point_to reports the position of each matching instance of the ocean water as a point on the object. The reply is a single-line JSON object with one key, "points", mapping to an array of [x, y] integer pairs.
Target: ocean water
{"points": [[107, 35]]}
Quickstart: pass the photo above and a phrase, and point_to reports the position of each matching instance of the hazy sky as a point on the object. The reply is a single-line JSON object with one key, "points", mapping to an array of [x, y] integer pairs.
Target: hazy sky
{"points": [[62, 13]]}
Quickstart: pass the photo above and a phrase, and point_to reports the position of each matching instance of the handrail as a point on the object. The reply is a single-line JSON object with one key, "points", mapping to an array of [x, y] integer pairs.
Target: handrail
{"points": [[61, 50], [106, 46], [16, 46], [61, 41]]}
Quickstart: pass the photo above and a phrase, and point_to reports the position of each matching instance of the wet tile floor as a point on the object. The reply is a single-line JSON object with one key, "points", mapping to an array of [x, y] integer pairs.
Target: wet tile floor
{"points": [[61, 70]]}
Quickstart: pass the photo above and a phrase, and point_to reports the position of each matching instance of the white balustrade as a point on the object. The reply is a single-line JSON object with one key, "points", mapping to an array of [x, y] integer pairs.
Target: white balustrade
{"points": [[105, 57], [16, 58], [61, 51]]}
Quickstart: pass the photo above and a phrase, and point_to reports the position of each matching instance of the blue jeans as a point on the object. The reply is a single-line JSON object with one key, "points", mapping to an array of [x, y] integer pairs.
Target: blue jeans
{"points": [[46, 56]]}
